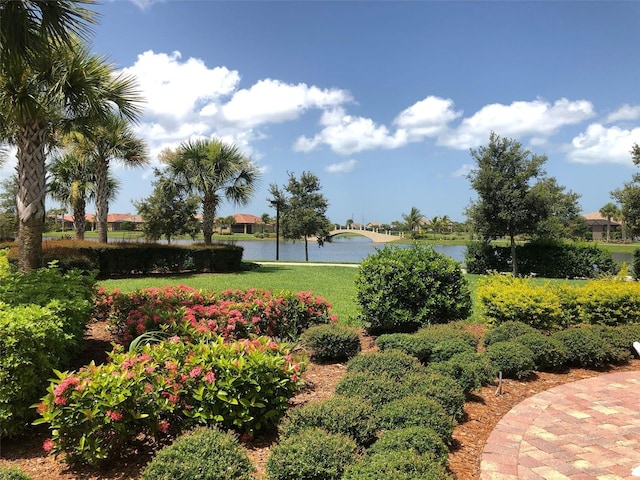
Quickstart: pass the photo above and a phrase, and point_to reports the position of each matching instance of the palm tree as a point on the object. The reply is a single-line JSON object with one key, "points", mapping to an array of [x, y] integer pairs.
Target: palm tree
{"points": [[47, 85], [71, 183], [216, 171], [609, 211], [413, 220], [110, 139]]}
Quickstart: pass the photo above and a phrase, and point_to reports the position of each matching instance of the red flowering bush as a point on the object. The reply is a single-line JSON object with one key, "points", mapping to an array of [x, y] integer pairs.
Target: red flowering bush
{"points": [[231, 314], [163, 389]]}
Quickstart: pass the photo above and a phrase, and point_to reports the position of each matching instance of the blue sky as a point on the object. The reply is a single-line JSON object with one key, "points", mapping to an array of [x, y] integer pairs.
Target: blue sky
{"points": [[383, 100]]}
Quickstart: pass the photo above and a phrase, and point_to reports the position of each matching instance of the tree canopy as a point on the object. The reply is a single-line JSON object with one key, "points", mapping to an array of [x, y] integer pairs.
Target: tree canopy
{"points": [[507, 203], [304, 213]]}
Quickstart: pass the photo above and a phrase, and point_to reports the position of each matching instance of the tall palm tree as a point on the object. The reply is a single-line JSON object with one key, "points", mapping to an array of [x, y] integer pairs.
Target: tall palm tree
{"points": [[110, 139], [216, 171], [413, 220], [54, 83], [71, 183], [609, 211]]}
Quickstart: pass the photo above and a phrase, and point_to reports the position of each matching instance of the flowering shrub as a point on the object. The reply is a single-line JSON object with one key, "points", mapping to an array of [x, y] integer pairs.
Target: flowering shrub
{"points": [[231, 314], [165, 388]]}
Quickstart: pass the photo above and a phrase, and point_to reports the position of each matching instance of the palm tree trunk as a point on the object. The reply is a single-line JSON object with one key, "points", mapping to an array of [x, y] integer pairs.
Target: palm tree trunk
{"points": [[79, 214], [208, 216], [102, 198], [608, 229], [306, 249], [31, 143]]}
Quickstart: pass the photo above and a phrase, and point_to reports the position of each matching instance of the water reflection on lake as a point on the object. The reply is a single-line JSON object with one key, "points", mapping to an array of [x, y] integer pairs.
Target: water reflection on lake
{"points": [[341, 250]]}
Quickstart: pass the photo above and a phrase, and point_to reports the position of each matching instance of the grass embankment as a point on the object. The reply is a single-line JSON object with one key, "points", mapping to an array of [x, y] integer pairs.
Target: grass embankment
{"points": [[335, 284]]}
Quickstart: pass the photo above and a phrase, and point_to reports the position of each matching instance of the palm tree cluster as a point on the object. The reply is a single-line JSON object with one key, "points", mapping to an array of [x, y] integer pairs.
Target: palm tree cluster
{"points": [[55, 95]]}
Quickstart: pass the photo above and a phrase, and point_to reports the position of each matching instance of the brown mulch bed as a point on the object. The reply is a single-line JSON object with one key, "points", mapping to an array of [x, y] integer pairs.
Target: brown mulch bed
{"points": [[482, 413]]}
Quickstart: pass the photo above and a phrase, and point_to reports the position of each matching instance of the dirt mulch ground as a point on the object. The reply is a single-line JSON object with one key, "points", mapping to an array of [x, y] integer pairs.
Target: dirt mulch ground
{"points": [[482, 413]]}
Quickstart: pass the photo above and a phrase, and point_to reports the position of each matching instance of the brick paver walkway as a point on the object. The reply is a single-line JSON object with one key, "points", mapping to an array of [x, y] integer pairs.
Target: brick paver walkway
{"points": [[585, 430]]}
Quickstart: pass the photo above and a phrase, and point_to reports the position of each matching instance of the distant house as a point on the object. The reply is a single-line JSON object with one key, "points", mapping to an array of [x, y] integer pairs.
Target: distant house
{"points": [[598, 225], [115, 221], [246, 223]]}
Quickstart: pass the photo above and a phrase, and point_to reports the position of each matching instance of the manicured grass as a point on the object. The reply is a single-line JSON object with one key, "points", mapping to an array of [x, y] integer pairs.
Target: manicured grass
{"points": [[335, 284]]}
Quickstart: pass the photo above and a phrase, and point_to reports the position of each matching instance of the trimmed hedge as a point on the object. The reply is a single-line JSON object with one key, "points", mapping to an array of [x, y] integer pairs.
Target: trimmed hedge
{"points": [[394, 363], [513, 359], [350, 416], [416, 411], [202, 454], [544, 259], [311, 454], [549, 353], [331, 342], [126, 259], [507, 331], [470, 369], [419, 439], [400, 465]]}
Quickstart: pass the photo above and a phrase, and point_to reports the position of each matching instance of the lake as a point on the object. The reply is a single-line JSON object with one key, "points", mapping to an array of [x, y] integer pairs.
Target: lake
{"points": [[340, 250]]}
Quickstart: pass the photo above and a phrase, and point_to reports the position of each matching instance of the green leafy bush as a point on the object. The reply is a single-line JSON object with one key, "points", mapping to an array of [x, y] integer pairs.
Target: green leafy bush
{"points": [[311, 454], [584, 348], [445, 349], [506, 298], [401, 289], [375, 389], [202, 454], [416, 411], [507, 331], [418, 439], [350, 416], [394, 363], [619, 351], [513, 359], [331, 342], [443, 389], [417, 346], [470, 369], [400, 465], [549, 353], [546, 259], [32, 343], [12, 473], [165, 388], [449, 331], [628, 334]]}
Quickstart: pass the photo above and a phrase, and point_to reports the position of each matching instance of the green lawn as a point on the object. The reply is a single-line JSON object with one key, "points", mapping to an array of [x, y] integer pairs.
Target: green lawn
{"points": [[334, 283]]}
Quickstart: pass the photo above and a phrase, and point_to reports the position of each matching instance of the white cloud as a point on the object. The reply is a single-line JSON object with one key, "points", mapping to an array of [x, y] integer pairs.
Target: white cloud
{"points": [[272, 101], [463, 171], [625, 112], [599, 144], [427, 118], [175, 90], [537, 118], [342, 167], [346, 135]]}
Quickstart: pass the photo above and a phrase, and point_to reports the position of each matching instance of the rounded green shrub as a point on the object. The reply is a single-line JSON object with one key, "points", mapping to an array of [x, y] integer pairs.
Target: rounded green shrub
{"points": [[507, 331], [202, 454], [402, 289], [445, 390], [630, 333], [445, 349], [350, 416], [549, 353], [400, 465], [375, 389], [513, 359], [416, 411], [311, 454], [12, 473], [417, 439], [584, 348], [621, 350], [453, 330], [418, 346], [331, 342], [470, 369], [394, 363]]}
